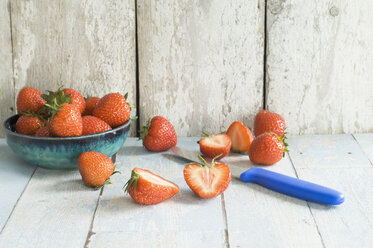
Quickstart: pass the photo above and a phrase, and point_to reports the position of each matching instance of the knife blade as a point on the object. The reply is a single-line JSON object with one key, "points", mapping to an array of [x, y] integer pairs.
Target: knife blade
{"points": [[275, 181]]}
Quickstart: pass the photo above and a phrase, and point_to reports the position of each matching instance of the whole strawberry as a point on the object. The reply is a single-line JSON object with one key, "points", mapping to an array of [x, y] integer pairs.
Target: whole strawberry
{"points": [[113, 109], [43, 132], [267, 149], [29, 100], [158, 135], [66, 122], [78, 99], [266, 121], [92, 124], [148, 188], [95, 168], [90, 104], [28, 125]]}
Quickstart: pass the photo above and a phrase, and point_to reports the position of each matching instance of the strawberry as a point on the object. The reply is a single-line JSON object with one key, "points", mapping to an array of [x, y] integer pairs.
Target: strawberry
{"points": [[28, 125], [241, 137], [29, 99], [78, 99], [92, 124], [158, 135], [43, 132], [66, 122], [147, 188], [214, 145], [207, 180], [266, 121], [267, 149], [64, 118], [113, 109], [90, 104], [95, 168]]}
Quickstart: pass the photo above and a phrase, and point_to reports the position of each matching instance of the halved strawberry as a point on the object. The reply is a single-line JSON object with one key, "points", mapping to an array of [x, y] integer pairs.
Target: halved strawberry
{"points": [[241, 137], [207, 180], [147, 188], [214, 145]]}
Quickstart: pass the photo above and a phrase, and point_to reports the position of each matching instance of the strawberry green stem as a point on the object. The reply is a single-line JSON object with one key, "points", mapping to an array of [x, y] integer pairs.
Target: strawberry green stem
{"points": [[203, 161], [206, 134], [133, 180]]}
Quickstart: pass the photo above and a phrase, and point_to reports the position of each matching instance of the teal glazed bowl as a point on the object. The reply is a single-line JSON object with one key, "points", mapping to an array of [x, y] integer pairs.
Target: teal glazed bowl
{"points": [[62, 153]]}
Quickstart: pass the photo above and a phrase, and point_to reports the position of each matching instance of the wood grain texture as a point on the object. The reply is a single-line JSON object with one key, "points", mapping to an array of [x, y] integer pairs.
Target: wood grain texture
{"points": [[349, 224], [6, 64], [182, 221], [200, 62], [55, 210], [366, 143], [14, 177], [319, 65], [326, 151], [88, 46], [264, 218]]}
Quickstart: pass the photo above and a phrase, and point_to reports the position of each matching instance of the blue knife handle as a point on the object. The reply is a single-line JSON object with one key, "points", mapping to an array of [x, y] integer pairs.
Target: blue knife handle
{"points": [[293, 186]]}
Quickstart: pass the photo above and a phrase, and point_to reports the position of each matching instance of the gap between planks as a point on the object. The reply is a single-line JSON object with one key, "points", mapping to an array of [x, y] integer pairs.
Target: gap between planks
{"points": [[15, 205], [90, 232], [225, 219], [361, 148], [308, 204]]}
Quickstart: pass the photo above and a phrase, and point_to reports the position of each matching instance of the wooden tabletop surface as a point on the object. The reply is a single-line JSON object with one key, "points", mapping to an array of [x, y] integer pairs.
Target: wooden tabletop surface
{"points": [[45, 208]]}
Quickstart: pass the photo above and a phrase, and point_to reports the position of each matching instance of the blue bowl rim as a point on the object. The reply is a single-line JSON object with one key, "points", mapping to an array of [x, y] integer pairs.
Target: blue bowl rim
{"points": [[62, 138]]}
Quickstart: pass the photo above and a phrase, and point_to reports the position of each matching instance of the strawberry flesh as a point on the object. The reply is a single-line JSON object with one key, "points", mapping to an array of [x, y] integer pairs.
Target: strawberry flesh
{"points": [[214, 145], [241, 137]]}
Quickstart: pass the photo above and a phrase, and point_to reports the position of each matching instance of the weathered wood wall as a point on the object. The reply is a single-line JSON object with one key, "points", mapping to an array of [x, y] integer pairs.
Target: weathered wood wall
{"points": [[200, 63]]}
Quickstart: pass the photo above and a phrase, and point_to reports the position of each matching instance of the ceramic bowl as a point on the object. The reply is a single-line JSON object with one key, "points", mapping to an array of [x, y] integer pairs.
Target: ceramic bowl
{"points": [[61, 153]]}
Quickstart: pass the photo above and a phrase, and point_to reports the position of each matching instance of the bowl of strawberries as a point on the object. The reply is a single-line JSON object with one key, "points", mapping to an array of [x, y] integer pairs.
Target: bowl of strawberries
{"points": [[52, 130]]}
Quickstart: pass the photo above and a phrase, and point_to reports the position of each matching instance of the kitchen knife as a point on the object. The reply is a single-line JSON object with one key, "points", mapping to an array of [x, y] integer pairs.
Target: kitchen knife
{"points": [[277, 182]]}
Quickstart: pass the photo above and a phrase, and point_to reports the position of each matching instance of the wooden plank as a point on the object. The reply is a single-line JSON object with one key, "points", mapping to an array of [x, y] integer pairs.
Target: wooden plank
{"points": [[319, 65], [6, 65], [200, 62], [14, 176], [259, 217], [326, 151], [172, 223], [56, 210], [366, 143], [349, 224], [88, 46]]}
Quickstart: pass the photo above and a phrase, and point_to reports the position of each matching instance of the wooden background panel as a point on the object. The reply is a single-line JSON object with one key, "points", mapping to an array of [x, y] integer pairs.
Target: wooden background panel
{"points": [[319, 62], [88, 46], [200, 62], [6, 67]]}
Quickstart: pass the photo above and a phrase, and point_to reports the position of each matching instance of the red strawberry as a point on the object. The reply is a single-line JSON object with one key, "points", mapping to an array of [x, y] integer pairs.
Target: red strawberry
{"points": [[28, 125], [92, 124], [66, 122], [90, 104], [95, 168], [214, 145], [206, 180], [43, 132], [147, 188], [158, 135], [78, 99], [29, 100], [113, 109], [241, 137], [267, 149], [266, 121]]}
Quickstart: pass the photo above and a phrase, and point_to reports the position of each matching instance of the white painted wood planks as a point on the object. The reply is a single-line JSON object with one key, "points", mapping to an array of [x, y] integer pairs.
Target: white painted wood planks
{"points": [[200, 62], [319, 61]]}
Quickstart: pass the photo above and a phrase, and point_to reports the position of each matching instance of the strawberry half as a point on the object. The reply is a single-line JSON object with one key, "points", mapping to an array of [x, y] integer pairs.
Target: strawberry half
{"points": [[241, 137], [214, 145], [207, 180], [147, 188]]}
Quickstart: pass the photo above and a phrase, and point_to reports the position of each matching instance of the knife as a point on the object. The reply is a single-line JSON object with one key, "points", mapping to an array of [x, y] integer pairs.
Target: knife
{"points": [[278, 182]]}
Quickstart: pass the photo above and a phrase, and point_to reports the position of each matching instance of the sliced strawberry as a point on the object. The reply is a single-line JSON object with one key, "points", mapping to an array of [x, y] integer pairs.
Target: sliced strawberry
{"points": [[214, 145], [147, 188], [206, 180], [241, 137]]}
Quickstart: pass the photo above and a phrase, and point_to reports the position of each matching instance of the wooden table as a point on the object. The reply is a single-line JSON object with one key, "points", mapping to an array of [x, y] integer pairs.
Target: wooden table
{"points": [[44, 208]]}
